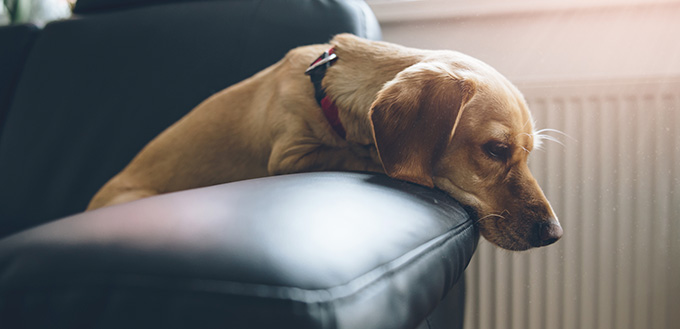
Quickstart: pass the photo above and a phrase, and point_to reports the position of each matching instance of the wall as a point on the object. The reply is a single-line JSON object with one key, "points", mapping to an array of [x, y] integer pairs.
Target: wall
{"points": [[606, 73], [608, 42]]}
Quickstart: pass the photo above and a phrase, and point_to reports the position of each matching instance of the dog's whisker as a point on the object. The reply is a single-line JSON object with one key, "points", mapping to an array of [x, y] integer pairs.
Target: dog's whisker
{"points": [[492, 215], [528, 135], [551, 138], [550, 130], [526, 123], [536, 143], [540, 131], [541, 135]]}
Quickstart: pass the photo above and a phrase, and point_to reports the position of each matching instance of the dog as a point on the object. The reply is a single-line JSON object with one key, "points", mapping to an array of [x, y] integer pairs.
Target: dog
{"points": [[437, 118]]}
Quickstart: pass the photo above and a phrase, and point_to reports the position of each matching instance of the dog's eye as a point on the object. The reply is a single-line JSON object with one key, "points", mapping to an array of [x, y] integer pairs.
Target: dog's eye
{"points": [[497, 151]]}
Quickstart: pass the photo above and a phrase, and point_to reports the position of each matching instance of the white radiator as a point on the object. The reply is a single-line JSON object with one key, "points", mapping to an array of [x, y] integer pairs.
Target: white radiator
{"points": [[615, 185]]}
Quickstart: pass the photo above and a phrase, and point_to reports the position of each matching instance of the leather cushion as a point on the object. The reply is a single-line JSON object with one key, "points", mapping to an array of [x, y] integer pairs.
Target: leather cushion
{"points": [[315, 250]]}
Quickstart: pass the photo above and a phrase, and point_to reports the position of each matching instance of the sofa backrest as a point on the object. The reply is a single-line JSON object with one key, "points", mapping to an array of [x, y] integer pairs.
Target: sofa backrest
{"points": [[97, 87], [15, 42]]}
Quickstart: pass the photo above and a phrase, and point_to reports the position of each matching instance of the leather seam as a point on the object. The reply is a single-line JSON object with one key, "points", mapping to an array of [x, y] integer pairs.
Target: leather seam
{"points": [[328, 296]]}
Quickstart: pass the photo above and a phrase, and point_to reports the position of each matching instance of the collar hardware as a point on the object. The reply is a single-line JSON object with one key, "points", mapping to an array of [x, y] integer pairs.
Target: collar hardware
{"points": [[316, 72], [327, 58]]}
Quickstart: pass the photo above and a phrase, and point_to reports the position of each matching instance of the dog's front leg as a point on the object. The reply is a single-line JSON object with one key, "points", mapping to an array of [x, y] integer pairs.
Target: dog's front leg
{"points": [[307, 154]]}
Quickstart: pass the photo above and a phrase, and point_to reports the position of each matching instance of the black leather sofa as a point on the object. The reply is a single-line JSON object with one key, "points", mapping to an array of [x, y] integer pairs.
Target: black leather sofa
{"points": [[314, 250]]}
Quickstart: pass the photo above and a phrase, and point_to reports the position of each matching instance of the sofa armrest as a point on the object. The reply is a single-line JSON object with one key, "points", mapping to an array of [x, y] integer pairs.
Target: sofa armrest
{"points": [[314, 250]]}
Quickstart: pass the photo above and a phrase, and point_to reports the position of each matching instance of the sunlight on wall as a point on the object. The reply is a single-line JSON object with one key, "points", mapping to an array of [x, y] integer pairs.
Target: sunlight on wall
{"points": [[607, 73], [598, 43]]}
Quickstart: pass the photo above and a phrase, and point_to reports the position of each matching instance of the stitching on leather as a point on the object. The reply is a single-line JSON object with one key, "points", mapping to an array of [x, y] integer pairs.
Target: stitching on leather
{"points": [[336, 294], [328, 295], [325, 299], [436, 243]]}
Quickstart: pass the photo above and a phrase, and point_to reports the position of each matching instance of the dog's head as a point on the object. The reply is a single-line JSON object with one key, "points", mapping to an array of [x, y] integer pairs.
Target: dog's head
{"points": [[462, 127]]}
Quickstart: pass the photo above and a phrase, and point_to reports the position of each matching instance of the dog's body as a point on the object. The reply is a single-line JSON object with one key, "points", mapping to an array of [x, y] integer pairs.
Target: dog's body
{"points": [[399, 107]]}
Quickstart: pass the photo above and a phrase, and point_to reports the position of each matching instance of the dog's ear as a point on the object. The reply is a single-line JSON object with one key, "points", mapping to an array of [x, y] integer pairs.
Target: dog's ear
{"points": [[414, 117]]}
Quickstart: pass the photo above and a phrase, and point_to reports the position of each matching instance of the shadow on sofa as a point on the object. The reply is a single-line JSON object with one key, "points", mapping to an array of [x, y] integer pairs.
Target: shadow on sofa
{"points": [[314, 250]]}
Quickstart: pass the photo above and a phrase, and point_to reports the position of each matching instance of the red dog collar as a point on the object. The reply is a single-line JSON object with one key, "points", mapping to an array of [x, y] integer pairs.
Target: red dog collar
{"points": [[316, 72]]}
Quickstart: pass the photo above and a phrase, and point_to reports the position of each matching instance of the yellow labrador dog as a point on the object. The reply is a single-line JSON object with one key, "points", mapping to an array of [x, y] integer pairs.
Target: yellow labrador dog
{"points": [[435, 118]]}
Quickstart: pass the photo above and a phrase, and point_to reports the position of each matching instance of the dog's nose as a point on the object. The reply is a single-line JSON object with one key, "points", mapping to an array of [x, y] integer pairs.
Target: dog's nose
{"points": [[548, 232]]}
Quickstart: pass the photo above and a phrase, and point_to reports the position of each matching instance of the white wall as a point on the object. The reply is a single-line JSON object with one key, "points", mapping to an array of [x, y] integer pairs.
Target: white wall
{"points": [[608, 42]]}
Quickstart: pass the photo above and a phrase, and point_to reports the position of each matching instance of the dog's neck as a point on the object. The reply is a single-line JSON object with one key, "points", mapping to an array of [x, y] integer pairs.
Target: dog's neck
{"points": [[360, 72]]}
